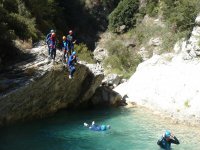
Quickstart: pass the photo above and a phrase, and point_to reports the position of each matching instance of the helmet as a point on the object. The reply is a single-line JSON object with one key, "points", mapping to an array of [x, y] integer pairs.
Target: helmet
{"points": [[64, 38], [73, 53], [70, 31], [167, 134], [103, 127], [108, 127], [52, 31], [53, 34]]}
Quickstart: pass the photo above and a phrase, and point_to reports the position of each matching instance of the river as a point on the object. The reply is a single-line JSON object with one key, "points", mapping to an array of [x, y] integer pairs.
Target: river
{"points": [[131, 129]]}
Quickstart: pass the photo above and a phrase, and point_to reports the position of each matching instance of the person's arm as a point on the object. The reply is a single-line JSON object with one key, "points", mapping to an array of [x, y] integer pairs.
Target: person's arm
{"points": [[174, 140], [159, 141]]}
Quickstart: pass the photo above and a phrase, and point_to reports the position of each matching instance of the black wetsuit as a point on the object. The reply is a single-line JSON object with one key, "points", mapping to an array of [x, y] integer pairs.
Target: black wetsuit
{"points": [[163, 143]]}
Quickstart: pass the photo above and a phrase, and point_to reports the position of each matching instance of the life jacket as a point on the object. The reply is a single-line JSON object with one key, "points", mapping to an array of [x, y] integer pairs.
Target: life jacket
{"points": [[48, 38], [71, 60], [65, 45], [52, 42]]}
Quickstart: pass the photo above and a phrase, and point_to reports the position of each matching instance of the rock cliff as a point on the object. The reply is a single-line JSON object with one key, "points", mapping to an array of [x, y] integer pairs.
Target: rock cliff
{"points": [[169, 82], [45, 88]]}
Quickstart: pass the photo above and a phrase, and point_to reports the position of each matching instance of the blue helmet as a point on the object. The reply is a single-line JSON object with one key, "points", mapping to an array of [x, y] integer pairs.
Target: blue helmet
{"points": [[167, 133], [103, 127], [73, 53]]}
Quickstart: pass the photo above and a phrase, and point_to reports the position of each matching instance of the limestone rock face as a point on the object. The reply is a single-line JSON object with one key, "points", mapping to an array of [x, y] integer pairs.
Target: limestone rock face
{"points": [[171, 87], [197, 21], [48, 89], [104, 95], [190, 48], [169, 83]]}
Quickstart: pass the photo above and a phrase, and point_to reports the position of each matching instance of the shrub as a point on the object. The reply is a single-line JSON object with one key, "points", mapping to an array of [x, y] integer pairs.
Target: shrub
{"points": [[152, 7], [84, 53], [181, 14], [124, 14], [121, 60]]}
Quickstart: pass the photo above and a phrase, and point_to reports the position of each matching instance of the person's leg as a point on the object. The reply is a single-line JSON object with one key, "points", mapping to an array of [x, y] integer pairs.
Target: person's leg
{"points": [[49, 50], [72, 71], [51, 53], [54, 54]]}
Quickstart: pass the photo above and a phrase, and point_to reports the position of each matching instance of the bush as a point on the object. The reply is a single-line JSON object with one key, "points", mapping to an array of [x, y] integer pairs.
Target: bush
{"points": [[152, 7], [124, 14], [121, 60], [181, 14], [84, 53]]}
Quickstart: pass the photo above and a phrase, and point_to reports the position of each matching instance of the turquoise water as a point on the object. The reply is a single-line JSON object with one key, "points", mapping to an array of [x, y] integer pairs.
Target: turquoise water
{"points": [[131, 129]]}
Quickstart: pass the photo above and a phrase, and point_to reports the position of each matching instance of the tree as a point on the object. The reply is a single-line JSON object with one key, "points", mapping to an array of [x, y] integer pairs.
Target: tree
{"points": [[124, 14]]}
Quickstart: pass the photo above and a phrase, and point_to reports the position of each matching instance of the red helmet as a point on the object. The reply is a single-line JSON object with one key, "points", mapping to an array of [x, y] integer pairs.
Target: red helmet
{"points": [[70, 31], [53, 35]]}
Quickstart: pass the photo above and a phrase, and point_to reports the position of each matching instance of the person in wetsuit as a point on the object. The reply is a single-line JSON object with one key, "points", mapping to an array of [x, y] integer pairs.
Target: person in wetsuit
{"points": [[166, 140], [95, 127]]}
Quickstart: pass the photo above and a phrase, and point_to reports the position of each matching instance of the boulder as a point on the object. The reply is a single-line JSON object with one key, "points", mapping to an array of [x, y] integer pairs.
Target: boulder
{"points": [[100, 54], [122, 29], [47, 88], [155, 41], [106, 96], [111, 80]]}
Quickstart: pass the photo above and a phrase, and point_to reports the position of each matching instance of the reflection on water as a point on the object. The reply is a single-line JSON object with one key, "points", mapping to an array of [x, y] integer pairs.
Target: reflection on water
{"points": [[131, 129]]}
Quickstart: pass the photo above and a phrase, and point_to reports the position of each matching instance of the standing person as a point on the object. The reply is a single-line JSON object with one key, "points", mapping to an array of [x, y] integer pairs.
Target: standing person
{"points": [[65, 49], [53, 46], [166, 140], [48, 41], [71, 41], [71, 64]]}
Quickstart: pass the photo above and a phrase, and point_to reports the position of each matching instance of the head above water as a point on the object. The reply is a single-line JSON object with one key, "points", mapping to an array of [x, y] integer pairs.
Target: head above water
{"points": [[167, 134]]}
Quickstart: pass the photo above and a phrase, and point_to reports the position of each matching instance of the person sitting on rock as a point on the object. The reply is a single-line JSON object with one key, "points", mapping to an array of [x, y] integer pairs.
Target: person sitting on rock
{"points": [[95, 127], [71, 64], [166, 140]]}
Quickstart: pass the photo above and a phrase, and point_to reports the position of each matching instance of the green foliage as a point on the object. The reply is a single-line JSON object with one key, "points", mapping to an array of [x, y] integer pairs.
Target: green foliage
{"points": [[144, 32], [84, 53], [121, 60], [181, 13], [187, 103], [124, 14], [152, 7]]}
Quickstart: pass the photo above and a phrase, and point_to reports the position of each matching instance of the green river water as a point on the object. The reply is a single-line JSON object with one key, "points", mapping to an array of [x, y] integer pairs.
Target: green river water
{"points": [[131, 129]]}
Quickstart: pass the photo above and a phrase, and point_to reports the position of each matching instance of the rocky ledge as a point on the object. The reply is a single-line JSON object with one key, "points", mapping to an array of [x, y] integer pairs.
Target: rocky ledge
{"points": [[38, 87]]}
